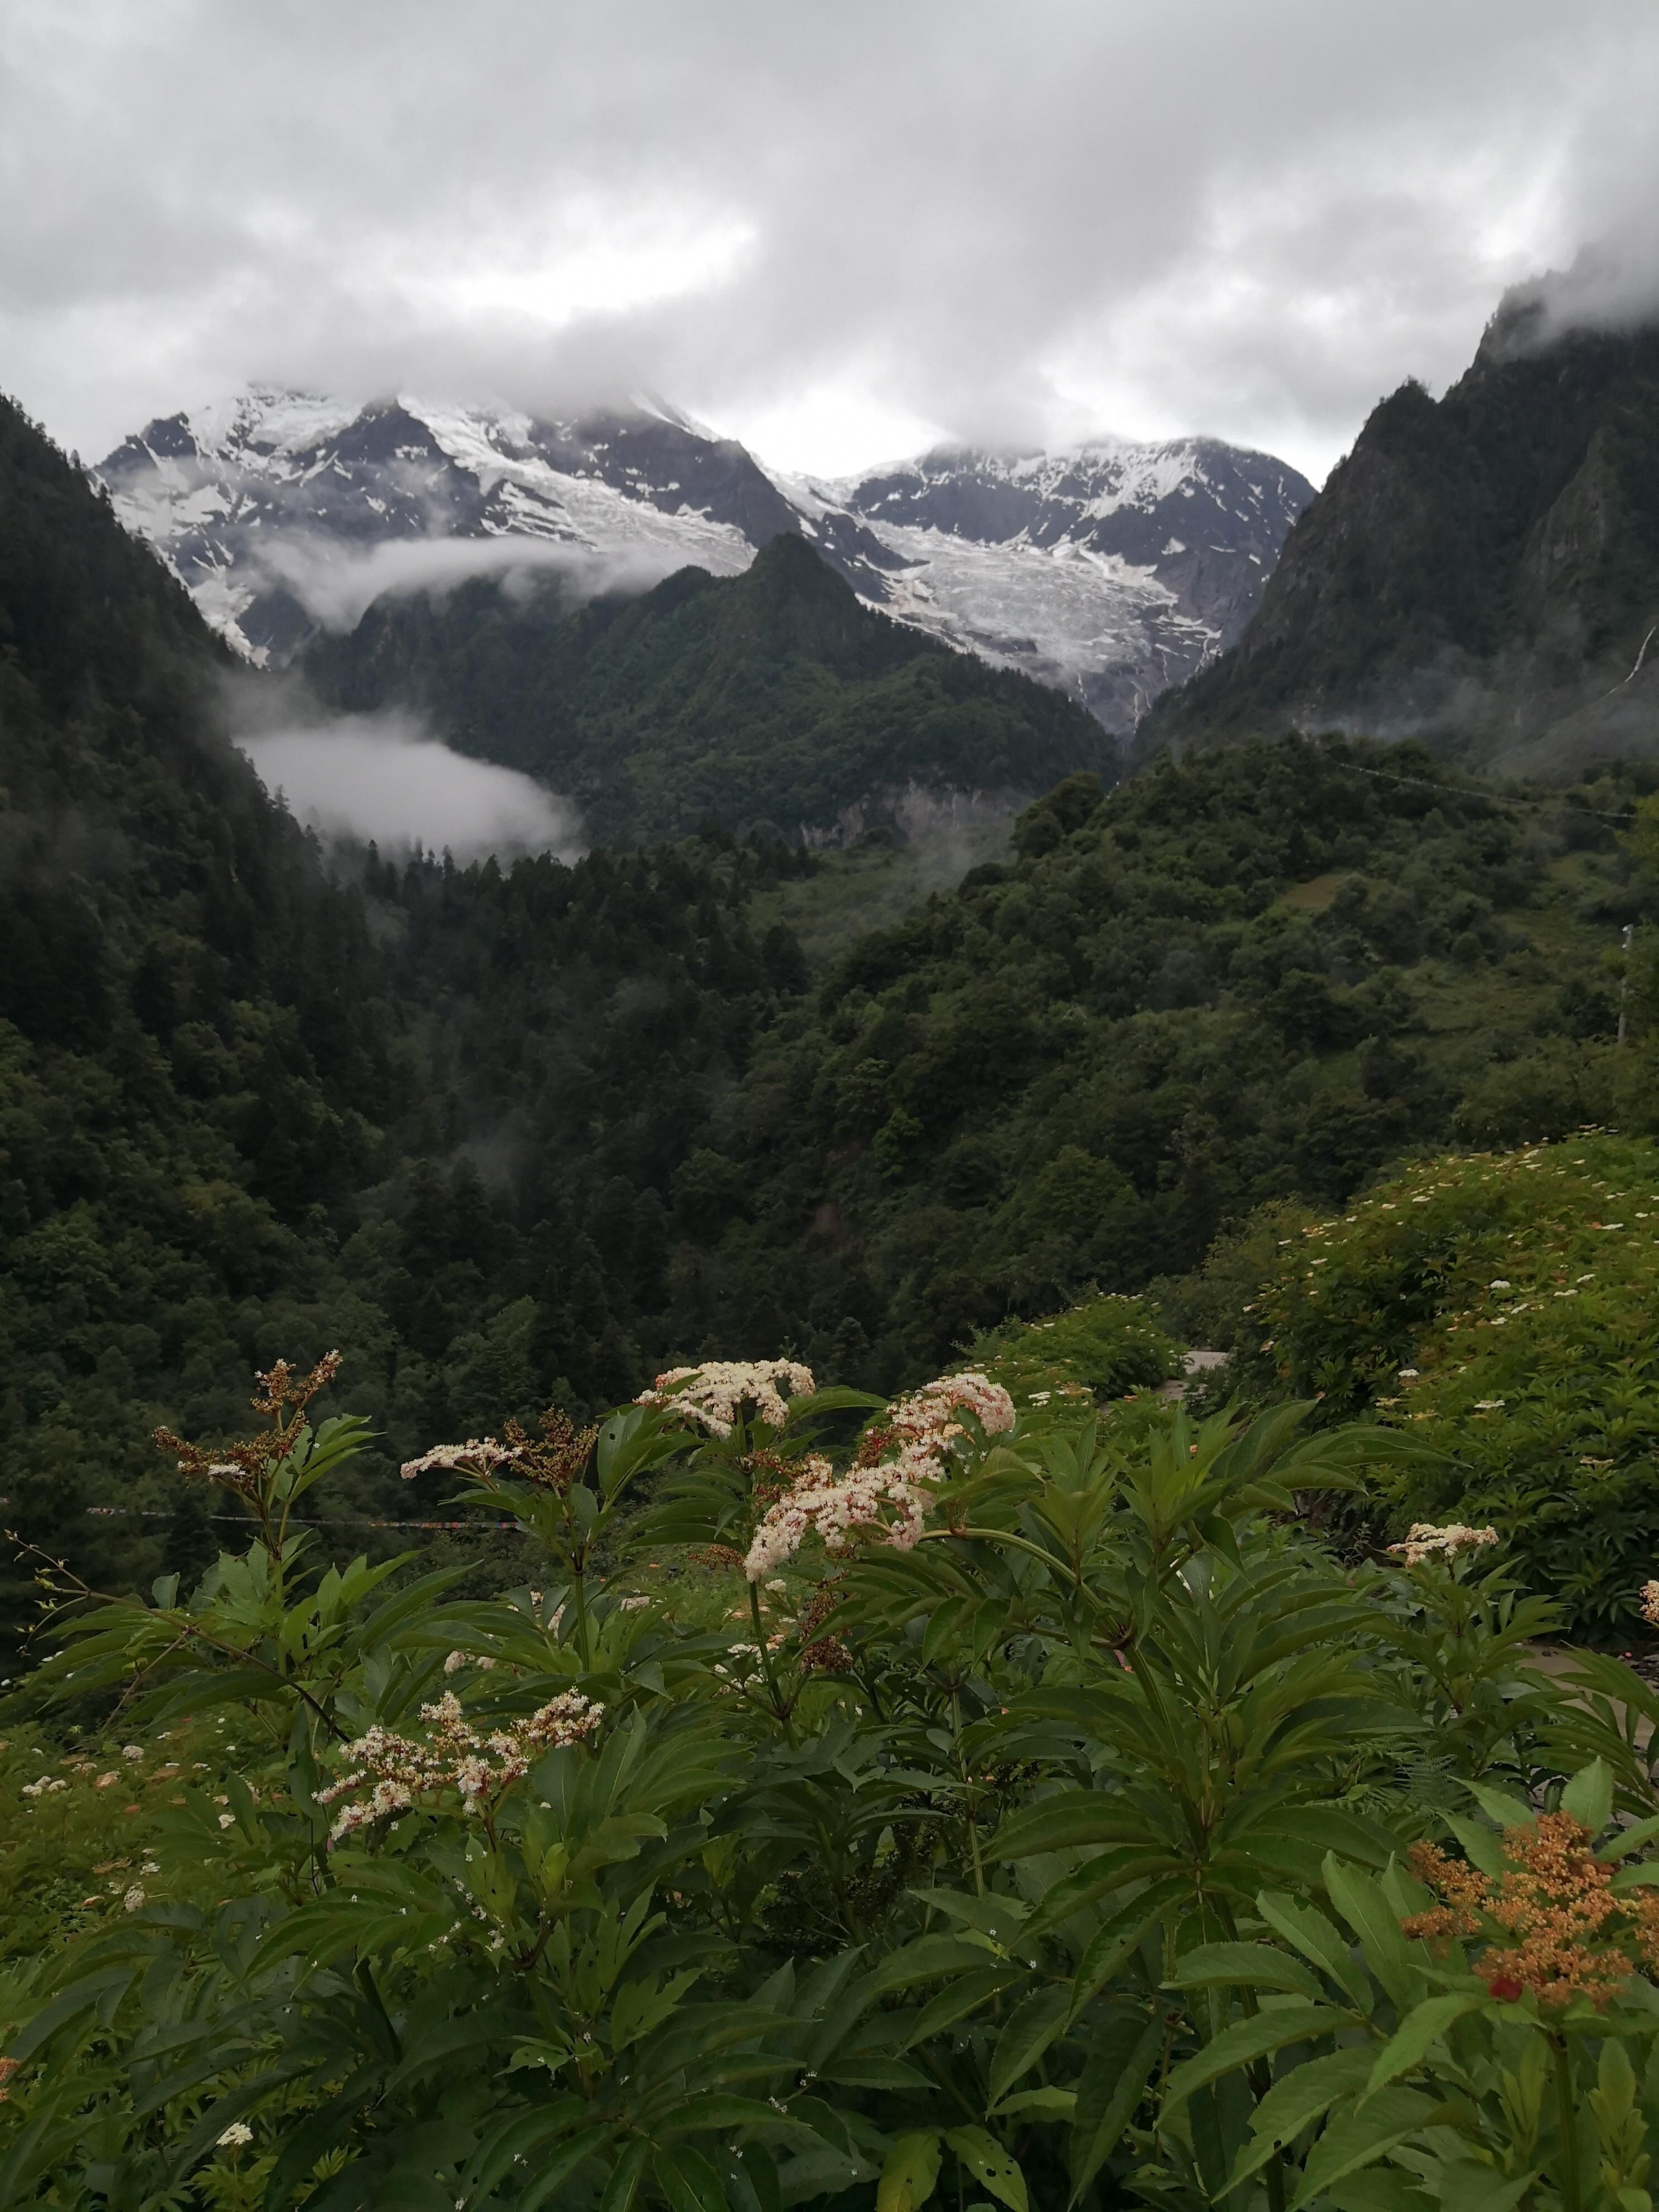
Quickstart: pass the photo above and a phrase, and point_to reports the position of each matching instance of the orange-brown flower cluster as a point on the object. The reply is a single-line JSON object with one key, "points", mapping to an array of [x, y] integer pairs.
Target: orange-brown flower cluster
{"points": [[714, 1556], [820, 1654], [7, 2068], [1568, 1934], [282, 1398], [771, 1475]]}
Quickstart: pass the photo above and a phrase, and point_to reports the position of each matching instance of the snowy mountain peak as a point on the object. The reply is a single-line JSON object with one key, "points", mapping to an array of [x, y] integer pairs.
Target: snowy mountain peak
{"points": [[1112, 569]]}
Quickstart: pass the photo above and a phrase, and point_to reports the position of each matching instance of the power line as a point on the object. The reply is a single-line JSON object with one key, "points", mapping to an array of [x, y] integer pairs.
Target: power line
{"points": [[295, 1520], [1492, 797]]}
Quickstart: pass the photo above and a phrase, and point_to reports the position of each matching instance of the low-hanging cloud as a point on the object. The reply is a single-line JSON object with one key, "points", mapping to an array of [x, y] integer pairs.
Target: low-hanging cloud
{"points": [[337, 584], [384, 778]]}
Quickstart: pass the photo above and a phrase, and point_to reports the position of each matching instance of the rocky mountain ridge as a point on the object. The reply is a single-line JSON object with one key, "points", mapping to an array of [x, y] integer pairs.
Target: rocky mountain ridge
{"points": [[1482, 571], [1110, 571]]}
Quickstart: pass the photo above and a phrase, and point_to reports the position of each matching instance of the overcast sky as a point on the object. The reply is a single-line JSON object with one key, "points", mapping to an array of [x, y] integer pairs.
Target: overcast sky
{"points": [[840, 229]]}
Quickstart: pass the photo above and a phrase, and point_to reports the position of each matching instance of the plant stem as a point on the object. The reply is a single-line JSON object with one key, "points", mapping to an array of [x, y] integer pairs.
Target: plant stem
{"points": [[968, 1793], [1566, 2128], [779, 1710]]}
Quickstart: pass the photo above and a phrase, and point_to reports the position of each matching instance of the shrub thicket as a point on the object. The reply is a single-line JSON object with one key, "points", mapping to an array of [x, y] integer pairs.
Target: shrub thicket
{"points": [[1501, 1307], [1073, 1830]]}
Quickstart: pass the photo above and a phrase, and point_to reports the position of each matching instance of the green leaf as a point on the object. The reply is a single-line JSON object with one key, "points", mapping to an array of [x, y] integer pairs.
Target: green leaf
{"points": [[1299, 2098], [1253, 1966], [1482, 1848], [1032, 2027], [1313, 1936], [991, 2165], [622, 2189], [873, 2069], [1422, 2026], [1636, 1838], [559, 2168], [522, 2134], [1113, 2084], [1588, 1796], [1356, 2139], [1247, 2040], [1502, 1810], [941, 1626], [960, 1997], [1118, 1938], [688, 2181], [1067, 1820], [909, 2172], [1361, 1904], [993, 1915], [1047, 2103], [1386, 2189], [929, 1958], [1462, 2184], [716, 2113]]}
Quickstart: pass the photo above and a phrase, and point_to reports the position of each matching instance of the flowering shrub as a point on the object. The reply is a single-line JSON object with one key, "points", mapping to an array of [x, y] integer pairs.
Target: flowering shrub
{"points": [[886, 1491], [391, 1773], [1041, 1834], [1499, 1307], [1553, 1928], [715, 1394], [1422, 1541], [1102, 1349]]}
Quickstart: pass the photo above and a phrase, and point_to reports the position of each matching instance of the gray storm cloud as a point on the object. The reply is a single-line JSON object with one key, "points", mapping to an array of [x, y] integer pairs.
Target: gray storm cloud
{"points": [[384, 777], [834, 231]]}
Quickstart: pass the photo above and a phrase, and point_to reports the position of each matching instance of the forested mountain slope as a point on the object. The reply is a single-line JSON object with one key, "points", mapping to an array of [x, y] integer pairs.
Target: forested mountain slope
{"points": [[1482, 570], [773, 697], [237, 1093], [1265, 970], [505, 1136]]}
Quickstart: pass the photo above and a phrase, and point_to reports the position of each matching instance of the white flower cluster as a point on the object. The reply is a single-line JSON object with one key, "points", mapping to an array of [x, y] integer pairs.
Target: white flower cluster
{"points": [[478, 1454], [715, 1393], [43, 1787], [393, 1770], [889, 1495], [1650, 1603], [1423, 1542]]}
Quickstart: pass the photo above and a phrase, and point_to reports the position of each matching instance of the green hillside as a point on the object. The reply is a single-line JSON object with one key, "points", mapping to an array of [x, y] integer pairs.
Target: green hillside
{"points": [[1264, 972], [712, 1788], [249, 1108], [774, 697], [511, 1136]]}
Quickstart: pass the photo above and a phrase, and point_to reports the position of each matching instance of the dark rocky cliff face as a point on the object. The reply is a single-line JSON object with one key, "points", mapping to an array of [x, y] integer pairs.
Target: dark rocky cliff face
{"points": [[1481, 571]]}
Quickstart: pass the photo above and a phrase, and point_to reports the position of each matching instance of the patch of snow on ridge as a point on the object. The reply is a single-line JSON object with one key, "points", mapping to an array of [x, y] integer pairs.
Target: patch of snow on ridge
{"points": [[1112, 569]]}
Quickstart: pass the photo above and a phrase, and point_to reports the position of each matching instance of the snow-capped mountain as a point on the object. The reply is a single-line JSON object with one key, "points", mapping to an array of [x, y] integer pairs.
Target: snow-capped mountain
{"points": [[1113, 571]]}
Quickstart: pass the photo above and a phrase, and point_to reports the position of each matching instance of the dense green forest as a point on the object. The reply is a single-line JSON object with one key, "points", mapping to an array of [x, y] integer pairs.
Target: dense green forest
{"points": [[773, 698], [1259, 972], [1056, 1813], [733, 1771], [511, 1137], [1482, 569]]}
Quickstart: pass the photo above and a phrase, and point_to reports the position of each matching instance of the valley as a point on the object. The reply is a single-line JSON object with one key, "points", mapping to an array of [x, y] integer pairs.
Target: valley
{"points": [[804, 1203]]}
